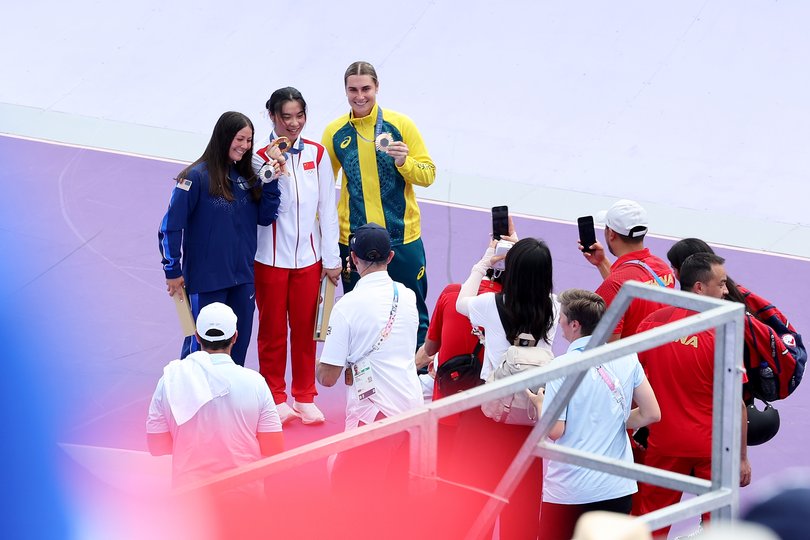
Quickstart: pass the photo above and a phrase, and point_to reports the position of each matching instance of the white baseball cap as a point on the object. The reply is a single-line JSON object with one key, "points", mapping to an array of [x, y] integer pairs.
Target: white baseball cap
{"points": [[216, 316], [625, 217]]}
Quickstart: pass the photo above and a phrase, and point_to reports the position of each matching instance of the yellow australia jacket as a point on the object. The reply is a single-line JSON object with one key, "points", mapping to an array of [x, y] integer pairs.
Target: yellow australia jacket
{"points": [[373, 188]]}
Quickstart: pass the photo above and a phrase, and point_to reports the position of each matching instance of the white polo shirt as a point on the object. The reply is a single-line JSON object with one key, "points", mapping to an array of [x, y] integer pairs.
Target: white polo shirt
{"points": [[222, 435], [355, 325], [484, 313]]}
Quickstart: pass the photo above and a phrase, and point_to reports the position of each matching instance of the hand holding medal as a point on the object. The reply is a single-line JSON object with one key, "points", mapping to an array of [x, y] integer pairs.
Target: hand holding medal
{"points": [[396, 149], [276, 150]]}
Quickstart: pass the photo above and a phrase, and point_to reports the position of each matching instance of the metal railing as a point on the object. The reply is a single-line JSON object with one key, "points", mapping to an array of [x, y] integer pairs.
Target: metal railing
{"points": [[719, 496]]}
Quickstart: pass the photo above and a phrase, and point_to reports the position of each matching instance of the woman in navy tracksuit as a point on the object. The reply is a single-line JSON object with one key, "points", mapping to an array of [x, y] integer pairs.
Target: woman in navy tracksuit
{"points": [[213, 212]]}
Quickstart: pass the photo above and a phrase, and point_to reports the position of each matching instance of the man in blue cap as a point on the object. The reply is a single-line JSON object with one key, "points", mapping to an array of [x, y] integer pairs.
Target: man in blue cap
{"points": [[372, 333]]}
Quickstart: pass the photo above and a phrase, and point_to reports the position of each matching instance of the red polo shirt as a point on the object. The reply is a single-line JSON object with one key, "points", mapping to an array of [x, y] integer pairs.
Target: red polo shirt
{"points": [[621, 271]]}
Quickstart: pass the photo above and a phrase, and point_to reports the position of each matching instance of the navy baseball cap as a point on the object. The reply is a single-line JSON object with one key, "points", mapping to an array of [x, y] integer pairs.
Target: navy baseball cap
{"points": [[371, 243]]}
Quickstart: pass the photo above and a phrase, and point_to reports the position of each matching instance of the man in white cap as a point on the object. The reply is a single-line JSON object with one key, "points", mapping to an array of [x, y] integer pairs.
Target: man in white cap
{"points": [[372, 334], [211, 414], [625, 228]]}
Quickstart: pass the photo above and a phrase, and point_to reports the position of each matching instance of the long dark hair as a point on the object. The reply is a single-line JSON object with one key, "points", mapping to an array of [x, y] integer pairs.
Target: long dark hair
{"points": [[682, 249], [216, 159], [527, 286]]}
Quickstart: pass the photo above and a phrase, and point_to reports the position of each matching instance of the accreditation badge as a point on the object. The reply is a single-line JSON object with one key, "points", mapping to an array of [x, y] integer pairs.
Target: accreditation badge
{"points": [[363, 380]]}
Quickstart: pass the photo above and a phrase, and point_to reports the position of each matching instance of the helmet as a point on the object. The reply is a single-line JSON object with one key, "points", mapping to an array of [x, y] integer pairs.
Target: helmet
{"points": [[762, 424]]}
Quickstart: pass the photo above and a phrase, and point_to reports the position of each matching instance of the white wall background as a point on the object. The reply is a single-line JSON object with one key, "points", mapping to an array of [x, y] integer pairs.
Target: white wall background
{"points": [[698, 109]]}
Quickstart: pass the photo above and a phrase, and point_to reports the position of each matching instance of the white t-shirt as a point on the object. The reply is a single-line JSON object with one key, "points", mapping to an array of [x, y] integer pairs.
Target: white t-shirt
{"points": [[222, 435], [355, 326], [594, 422], [484, 312]]}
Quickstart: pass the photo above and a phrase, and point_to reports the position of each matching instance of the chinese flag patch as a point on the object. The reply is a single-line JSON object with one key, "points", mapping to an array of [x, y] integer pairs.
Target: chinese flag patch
{"points": [[309, 165]]}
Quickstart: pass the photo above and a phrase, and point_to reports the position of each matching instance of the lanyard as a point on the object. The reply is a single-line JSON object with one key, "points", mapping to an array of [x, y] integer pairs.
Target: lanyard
{"points": [[377, 126], [386, 331], [610, 382], [240, 181], [646, 266]]}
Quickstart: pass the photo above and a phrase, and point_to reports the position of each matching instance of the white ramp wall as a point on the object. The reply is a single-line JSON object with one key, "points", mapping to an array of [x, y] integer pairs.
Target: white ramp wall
{"points": [[695, 108]]}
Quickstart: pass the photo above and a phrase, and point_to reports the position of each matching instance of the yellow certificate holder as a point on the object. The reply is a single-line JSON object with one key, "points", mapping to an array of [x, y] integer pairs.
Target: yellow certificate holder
{"points": [[326, 300], [183, 307]]}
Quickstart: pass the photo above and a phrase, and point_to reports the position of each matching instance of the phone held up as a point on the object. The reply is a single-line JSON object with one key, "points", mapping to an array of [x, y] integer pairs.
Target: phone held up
{"points": [[500, 221], [587, 235]]}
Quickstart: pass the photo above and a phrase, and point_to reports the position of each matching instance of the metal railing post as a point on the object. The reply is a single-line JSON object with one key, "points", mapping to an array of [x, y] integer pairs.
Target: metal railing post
{"points": [[727, 418]]}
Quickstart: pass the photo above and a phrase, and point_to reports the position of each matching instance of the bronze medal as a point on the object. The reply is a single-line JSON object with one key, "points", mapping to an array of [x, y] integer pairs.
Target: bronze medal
{"points": [[382, 142]]}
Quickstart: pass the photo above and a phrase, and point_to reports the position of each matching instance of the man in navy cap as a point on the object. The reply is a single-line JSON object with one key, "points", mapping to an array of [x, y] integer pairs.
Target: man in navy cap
{"points": [[372, 335]]}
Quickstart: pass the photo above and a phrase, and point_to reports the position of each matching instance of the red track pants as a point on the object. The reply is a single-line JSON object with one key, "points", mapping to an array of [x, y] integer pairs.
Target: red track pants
{"points": [[655, 497], [283, 292]]}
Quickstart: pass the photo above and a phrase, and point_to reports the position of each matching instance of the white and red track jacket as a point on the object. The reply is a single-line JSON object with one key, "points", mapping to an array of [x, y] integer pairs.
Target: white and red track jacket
{"points": [[307, 226]]}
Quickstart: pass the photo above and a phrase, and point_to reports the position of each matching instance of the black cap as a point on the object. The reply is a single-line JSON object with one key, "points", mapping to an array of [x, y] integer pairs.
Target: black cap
{"points": [[371, 243]]}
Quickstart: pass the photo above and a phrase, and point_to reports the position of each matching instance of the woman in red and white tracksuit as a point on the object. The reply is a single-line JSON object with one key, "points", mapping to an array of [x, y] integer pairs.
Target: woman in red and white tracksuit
{"points": [[294, 254]]}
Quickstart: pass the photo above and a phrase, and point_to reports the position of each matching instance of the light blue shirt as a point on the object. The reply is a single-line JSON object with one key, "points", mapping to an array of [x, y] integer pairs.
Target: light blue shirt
{"points": [[594, 422]]}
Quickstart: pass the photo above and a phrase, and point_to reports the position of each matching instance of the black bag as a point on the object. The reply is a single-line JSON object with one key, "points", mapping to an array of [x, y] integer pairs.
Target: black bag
{"points": [[460, 373]]}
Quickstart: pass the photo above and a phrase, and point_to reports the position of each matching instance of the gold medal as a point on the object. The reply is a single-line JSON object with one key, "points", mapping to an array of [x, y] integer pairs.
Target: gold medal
{"points": [[382, 141], [282, 143]]}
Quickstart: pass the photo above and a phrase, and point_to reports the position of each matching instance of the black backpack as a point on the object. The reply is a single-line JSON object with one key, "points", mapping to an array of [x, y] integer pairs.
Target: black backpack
{"points": [[460, 373]]}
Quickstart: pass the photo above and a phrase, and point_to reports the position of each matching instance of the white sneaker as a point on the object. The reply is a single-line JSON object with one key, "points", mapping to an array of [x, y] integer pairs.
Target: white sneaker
{"points": [[285, 413], [309, 413]]}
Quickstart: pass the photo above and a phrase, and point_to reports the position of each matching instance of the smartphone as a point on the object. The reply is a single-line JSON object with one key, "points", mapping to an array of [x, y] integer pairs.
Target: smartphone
{"points": [[641, 435], [587, 235], [500, 221]]}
